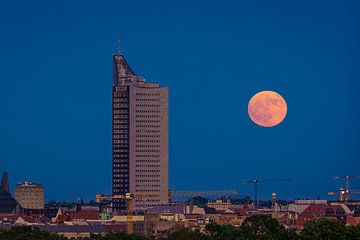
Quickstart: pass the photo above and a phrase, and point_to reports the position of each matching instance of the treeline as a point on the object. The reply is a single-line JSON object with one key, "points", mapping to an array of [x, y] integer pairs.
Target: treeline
{"points": [[267, 228], [253, 228]]}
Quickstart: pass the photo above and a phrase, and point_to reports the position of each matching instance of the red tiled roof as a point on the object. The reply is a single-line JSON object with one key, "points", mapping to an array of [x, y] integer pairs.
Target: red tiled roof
{"points": [[229, 215], [319, 210], [9, 216], [28, 219], [85, 215], [63, 218], [238, 210], [314, 212], [352, 220]]}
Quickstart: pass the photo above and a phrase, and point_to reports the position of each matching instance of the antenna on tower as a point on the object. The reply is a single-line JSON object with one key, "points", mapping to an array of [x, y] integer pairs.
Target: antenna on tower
{"points": [[118, 45]]}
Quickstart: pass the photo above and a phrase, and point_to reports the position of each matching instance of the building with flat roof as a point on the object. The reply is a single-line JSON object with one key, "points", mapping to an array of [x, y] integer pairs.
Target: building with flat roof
{"points": [[140, 138], [30, 195]]}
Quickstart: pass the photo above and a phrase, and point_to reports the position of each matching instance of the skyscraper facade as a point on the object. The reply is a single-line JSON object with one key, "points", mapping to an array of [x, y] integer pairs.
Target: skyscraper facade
{"points": [[140, 138], [30, 195]]}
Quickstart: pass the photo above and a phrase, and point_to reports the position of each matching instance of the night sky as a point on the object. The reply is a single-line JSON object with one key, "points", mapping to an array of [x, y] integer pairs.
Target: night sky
{"points": [[56, 78]]}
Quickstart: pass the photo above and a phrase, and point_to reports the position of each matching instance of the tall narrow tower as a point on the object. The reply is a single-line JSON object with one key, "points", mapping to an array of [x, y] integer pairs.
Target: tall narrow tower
{"points": [[140, 137], [5, 182]]}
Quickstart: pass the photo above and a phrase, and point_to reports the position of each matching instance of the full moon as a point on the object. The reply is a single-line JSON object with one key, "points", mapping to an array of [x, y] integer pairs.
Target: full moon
{"points": [[267, 108]]}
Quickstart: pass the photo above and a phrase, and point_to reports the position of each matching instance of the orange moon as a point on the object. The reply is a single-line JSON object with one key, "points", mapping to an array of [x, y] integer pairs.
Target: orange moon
{"points": [[267, 108]]}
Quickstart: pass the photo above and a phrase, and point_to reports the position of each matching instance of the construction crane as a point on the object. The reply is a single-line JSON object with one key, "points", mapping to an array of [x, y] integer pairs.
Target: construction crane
{"points": [[342, 194], [347, 183], [256, 182], [218, 193], [129, 209]]}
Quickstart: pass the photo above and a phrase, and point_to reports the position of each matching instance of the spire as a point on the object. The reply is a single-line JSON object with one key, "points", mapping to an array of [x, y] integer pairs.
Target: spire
{"points": [[5, 181], [119, 46]]}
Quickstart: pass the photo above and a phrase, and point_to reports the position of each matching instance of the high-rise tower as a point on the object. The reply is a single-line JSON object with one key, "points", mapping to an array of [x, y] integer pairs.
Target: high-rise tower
{"points": [[140, 137]]}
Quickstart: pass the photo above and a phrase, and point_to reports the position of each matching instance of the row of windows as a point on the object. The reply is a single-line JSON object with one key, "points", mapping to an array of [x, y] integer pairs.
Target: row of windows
{"points": [[122, 111], [147, 141], [120, 185], [120, 165], [148, 111], [148, 126], [148, 105], [121, 121], [120, 190], [147, 150], [150, 195], [151, 175], [147, 121], [120, 155], [120, 94], [147, 146], [117, 161], [121, 145], [123, 150], [149, 136], [121, 116], [148, 165], [146, 201], [147, 185], [147, 180], [126, 131], [117, 165], [148, 116], [147, 131], [147, 94], [122, 170], [151, 155], [121, 141], [148, 191], [121, 88], [123, 100], [124, 126], [148, 171], [121, 105], [121, 131], [146, 161], [120, 136], [121, 179], [148, 100]]}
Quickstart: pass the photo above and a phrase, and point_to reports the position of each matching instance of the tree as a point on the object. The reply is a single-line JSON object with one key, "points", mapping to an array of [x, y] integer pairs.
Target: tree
{"points": [[228, 232], [28, 233], [186, 234], [353, 232], [326, 229], [115, 236], [266, 227]]}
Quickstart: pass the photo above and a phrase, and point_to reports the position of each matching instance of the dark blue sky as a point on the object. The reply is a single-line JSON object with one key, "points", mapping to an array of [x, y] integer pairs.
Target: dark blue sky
{"points": [[56, 76]]}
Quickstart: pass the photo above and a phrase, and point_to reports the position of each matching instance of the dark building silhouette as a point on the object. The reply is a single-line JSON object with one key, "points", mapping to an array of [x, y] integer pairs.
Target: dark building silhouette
{"points": [[8, 204], [140, 138], [5, 181]]}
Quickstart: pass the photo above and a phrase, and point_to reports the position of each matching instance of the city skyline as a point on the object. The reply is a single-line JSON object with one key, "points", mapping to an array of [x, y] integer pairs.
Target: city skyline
{"points": [[56, 80]]}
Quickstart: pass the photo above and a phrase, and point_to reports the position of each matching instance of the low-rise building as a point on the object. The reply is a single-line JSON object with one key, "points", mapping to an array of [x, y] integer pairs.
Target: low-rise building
{"points": [[219, 204]]}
